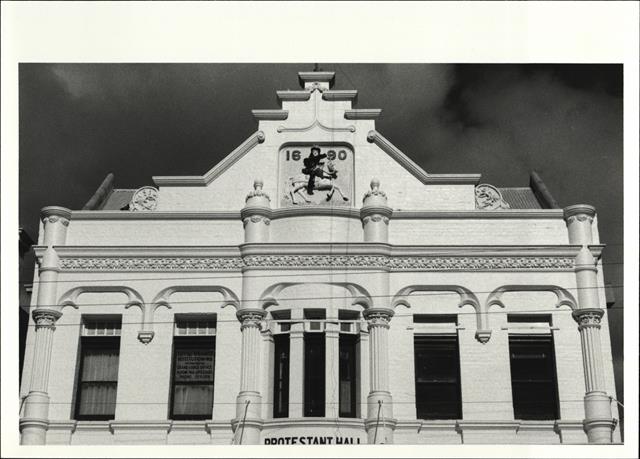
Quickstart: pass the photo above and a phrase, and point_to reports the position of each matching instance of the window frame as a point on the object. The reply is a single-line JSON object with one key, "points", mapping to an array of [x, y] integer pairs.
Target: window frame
{"points": [[422, 407], [93, 342], [195, 341], [552, 380]]}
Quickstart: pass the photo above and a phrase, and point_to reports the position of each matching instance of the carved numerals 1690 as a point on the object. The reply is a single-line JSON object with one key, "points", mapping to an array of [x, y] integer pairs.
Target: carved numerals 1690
{"points": [[295, 155]]}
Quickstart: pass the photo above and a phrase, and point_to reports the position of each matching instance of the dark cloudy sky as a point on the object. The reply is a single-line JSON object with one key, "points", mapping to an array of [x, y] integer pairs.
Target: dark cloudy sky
{"points": [[79, 122]]}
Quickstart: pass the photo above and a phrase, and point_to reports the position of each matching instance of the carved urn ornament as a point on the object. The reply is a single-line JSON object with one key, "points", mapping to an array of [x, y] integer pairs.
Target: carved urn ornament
{"points": [[489, 197], [145, 198]]}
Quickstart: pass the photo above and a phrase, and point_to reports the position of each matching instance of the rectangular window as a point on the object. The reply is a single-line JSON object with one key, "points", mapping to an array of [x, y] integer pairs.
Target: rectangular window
{"points": [[437, 366], [347, 375], [533, 377], [314, 374], [194, 348], [281, 376], [98, 375]]}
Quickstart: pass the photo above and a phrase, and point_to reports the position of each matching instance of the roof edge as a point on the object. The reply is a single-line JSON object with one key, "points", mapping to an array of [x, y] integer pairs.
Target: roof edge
{"points": [[541, 191], [101, 194], [417, 171], [217, 170]]}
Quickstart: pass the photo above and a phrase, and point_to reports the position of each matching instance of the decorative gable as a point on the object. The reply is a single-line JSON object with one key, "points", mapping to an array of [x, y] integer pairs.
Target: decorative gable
{"points": [[316, 151]]}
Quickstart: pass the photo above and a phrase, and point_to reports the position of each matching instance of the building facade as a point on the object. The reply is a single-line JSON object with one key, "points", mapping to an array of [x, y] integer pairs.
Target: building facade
{"points": [[318, 287]]}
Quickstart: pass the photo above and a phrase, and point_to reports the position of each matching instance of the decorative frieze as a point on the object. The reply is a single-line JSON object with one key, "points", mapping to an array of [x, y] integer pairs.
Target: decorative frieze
{"points": [[54, 219], [579, 218], [151, 264], [256, 219], [393, 263], [375, 218]]}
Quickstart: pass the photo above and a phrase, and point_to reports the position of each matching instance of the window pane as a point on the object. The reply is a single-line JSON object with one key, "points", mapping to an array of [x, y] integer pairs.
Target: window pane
{"points": [[196, 400], [193, 365], [193, 377], [97, 399], [98, 376], [100, 364], [437, 367], [314, 366], [281, 377], [347, 376], [533, 378]]}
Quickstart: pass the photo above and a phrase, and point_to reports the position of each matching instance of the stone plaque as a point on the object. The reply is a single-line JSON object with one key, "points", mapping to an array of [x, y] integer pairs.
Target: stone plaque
{"points": [[316, 175]]}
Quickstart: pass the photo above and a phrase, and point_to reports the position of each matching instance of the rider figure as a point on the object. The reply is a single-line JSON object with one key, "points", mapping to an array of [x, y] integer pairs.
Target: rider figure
{"points": [[313, 167]]}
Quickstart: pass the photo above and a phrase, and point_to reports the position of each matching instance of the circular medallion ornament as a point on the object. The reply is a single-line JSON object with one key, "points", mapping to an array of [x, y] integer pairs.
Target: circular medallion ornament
{"points": [[489, 197], [145, 198]]}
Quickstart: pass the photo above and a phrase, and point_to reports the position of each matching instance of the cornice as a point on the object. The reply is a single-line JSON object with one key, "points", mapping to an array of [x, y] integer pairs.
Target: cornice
{"points": [[342, 95], [150, 251], [323, 77], [270, 114], [478, 214], [299, 95], [346, 212], [311, 422], [579, 209], [286, 212], [222, 166], [55, 211], [426, 178], [153, 215], [363, 114]]}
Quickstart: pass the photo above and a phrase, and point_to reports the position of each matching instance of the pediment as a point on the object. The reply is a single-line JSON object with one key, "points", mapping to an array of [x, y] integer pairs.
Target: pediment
{"points": [[352, 152]]}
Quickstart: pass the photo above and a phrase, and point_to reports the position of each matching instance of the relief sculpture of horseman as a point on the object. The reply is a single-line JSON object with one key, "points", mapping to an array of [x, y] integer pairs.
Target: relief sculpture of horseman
{"points": [[316, 176]]}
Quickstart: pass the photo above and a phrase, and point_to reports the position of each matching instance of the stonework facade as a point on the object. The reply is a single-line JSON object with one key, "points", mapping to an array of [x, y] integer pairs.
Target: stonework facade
{"points": [[317, 229]]}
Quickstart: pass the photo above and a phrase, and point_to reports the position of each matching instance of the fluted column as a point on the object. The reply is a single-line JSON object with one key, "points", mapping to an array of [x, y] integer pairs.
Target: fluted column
{"points": [[34, 423], [375, 214], [249, 400], [598, 422], [35, 419], [379, 401]]}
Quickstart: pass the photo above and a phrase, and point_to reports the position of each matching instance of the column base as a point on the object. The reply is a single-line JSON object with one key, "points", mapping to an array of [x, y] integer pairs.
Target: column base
{"points": [[246, 432], [248, 423], [35, 422], [598, 422], [33, 431], [380, 423]]}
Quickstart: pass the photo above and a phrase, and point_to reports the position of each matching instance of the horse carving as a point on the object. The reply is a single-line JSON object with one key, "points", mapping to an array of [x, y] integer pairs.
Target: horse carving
{"points": [[323, 182]]}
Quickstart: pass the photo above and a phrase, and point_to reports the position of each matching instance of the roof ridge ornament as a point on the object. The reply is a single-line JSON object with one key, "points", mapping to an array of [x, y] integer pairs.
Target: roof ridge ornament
{"points": [[488, 197], [316, 121], [257, 191], [144, 199], [375, 190]]}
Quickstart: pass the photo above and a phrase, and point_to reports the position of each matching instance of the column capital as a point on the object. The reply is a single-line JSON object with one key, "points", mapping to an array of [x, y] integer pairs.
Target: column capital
{"points": [[52, 214], [378, 317], [250, 317], [580, 212], [588, 317], [45, 318]]}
